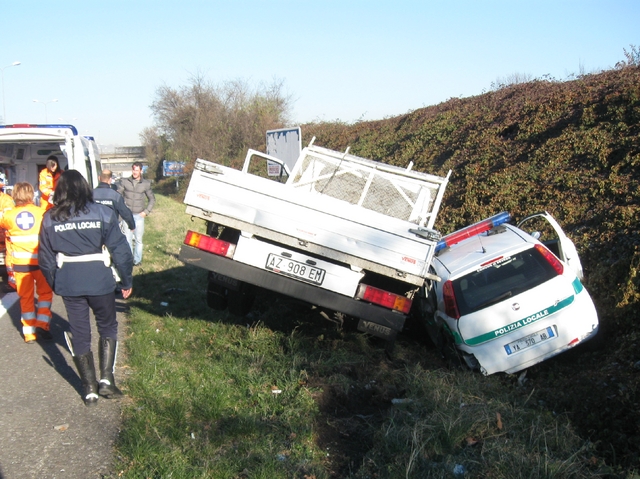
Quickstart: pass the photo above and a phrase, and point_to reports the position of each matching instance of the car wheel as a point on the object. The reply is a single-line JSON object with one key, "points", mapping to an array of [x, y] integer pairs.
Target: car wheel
{"points": [[240, 302], [421, 321], [449, 351], [216, 297]]}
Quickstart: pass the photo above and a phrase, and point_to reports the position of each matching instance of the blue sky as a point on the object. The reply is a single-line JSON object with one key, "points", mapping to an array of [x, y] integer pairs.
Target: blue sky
{"points": [[339, 59]]}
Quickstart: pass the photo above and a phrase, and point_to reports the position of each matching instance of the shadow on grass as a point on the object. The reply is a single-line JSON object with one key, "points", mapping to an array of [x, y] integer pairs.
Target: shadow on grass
{"points": [[181, 292], [347, 418]]}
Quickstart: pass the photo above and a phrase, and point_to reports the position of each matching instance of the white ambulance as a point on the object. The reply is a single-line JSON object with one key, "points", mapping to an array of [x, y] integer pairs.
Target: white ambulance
{"points": [[24, 149]]}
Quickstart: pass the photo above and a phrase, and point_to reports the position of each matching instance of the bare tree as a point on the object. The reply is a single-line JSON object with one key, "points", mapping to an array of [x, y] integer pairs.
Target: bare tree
{"points": [[157, 148], [216, 122]]}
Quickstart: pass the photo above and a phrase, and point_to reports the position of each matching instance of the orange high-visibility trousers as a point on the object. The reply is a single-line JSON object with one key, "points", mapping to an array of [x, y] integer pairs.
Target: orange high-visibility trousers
{"points": [[34, 315]]}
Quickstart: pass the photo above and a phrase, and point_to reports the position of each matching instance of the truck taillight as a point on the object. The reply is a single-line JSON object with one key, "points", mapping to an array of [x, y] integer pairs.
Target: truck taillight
{"points": [[474, 229], [383, 298], [207, 243], [450, 304], [551, 258]]}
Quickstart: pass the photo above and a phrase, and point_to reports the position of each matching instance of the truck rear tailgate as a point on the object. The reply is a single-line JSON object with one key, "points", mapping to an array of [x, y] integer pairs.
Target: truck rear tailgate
{"points": [[293, 264], [314, 223]]}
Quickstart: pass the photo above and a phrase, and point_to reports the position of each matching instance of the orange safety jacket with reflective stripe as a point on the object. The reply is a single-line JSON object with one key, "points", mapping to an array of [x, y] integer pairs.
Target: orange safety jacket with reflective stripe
{"points": [[22, 225], [6, 204], [47, 184]]}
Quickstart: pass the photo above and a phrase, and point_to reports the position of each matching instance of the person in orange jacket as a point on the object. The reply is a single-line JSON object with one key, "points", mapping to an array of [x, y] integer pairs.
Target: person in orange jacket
{"points": [[6, 203], [22, 225], [48, 179]]}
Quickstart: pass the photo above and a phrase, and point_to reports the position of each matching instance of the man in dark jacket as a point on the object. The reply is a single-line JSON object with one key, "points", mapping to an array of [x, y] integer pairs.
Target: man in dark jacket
{"points": [[140, 200], [79, 240], [105, 195]]}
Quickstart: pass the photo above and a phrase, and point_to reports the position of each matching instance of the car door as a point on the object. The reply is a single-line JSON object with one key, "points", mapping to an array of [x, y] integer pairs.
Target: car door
{"points": [[544, 227]]}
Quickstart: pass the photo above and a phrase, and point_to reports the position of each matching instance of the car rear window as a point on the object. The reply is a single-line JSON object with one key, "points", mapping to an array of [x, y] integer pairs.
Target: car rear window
{"points": [[502, 279]]}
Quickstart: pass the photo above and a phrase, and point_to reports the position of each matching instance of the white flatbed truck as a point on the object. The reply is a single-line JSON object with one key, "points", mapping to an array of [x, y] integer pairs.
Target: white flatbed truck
{"points": [[344, 233]]}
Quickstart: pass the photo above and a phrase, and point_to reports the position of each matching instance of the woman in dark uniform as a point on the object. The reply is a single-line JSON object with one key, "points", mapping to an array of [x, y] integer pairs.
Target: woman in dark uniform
{"points": [[79, 240]]}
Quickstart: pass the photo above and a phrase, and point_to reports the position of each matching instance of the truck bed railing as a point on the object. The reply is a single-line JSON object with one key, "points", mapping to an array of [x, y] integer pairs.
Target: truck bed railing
{"points": [[393, 191]]}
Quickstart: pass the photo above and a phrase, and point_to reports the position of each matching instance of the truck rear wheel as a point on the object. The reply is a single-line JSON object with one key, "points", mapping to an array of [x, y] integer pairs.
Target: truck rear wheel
{"points": [[241, 301], [216, 297]]}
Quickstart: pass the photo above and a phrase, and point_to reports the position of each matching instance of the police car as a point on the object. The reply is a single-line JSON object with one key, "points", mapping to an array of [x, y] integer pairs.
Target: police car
{"points": [[509, 297]]}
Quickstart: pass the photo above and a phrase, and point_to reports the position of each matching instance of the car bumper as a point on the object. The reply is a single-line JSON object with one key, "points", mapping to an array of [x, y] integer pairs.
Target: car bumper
{"points": [[572, 326]]}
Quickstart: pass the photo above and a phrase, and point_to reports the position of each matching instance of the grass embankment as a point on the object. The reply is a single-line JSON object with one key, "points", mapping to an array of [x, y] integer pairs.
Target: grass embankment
{"points": [[285, 394], [571, 148]]}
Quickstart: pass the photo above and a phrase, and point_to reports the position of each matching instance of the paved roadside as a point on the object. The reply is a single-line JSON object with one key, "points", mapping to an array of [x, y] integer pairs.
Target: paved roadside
{"points": [[46, 431]]}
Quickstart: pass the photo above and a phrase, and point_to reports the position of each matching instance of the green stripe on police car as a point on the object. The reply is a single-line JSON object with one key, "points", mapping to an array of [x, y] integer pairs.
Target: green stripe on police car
{"points": [[521, 323]]}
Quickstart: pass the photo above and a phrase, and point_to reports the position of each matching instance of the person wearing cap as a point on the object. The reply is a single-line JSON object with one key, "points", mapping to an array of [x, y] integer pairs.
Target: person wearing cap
{"points": [[48, 179], [22, 225]]}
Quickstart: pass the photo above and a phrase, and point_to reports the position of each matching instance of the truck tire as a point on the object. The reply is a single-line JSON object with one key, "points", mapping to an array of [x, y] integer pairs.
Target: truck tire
{"points": [[216, 297], [241, 301]]}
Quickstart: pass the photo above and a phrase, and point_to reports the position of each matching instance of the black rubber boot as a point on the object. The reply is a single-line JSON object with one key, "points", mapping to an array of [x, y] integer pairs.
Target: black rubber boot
{"points": [[87, 372], [108, 350]]}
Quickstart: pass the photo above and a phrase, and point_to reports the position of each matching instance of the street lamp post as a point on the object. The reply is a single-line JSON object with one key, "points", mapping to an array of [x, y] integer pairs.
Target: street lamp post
{"points": [[4, 106], [45, 107]]}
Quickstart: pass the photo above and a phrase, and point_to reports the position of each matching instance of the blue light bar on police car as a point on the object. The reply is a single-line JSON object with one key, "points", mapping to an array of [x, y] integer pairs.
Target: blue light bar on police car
{"points": [[473, 230]]}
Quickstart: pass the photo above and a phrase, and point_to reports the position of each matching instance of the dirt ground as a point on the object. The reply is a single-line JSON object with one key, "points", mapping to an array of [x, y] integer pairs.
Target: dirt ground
{"points": [[597, 386]]}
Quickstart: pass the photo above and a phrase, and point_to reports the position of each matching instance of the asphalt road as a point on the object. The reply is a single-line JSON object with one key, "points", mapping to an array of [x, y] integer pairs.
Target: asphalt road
{"points": [[46, 431]]}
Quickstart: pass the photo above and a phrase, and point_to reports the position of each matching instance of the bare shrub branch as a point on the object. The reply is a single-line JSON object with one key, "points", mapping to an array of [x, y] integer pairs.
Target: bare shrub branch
{"points": [[215, 122], [513, 79], [632, 57]]}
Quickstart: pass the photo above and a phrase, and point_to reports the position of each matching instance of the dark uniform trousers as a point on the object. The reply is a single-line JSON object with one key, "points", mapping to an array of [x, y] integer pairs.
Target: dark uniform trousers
{"points": [[78, 311]]}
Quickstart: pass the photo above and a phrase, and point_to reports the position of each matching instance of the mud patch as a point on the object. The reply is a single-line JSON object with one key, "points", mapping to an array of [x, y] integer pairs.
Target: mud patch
{"points": [[348, 421]]}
